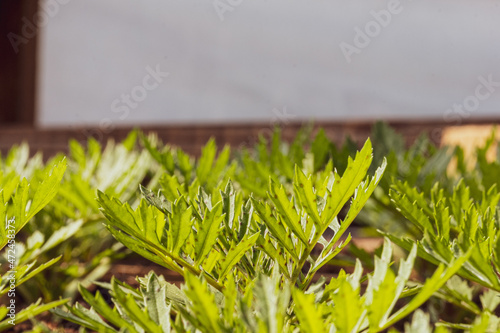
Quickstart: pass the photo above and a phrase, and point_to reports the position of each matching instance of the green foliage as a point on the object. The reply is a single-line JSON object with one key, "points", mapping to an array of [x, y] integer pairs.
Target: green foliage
{"points": [[250, 231], [62, 219], [25, 204], [72, 220], [199, 234], [29, 312], [256, 275], [451, 224], [20, 201], [268, 304]]}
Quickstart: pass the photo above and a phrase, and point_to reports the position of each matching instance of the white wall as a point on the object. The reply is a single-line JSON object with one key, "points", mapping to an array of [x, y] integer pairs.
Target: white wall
{"points": [[266, 59]]}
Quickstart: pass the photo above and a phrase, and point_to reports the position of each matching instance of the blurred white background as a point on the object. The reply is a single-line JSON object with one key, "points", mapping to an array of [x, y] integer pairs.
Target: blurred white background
{"points": [[257, 60]]}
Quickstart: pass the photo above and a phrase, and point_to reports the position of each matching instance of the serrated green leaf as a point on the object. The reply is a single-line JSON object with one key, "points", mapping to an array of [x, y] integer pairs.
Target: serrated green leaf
{"points": [[344, 187], [412, 212], [384, 295], [146, 251], [305, 194], [185, 165], [157, 201], [230, 298], [272, 252], [327, 254], [245, 219], [275, 227], [155, 301], [208, 231], [271, 303], [47, 189], [98, 303], [490, 300], [60, 235], [139, 316], [31, 273], [348, 308], [81, 316], [172, 189], [228, 200], [180, 225], [308, 313], [206, 161], [31, 311], [320, 148], [203, 304], [420, 323], [220, 166], [361, 195], [431, 285], [287, 210], [235, 253]]}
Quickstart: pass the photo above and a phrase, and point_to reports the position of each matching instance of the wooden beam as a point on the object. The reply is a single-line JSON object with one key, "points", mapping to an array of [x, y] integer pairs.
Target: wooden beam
{"points": [[192, 137], [18, 45]]}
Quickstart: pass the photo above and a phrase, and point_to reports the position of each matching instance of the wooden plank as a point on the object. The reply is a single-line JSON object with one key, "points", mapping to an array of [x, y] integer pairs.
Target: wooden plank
{"points": [[18, 62], [192, 137]]}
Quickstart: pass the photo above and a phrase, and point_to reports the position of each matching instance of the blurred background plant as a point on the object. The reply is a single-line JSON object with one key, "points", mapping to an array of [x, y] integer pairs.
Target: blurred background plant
{"points": [[429, 198], [73, 221], [20, 201]]}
